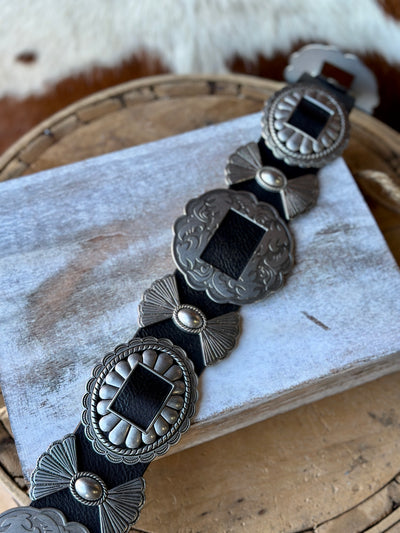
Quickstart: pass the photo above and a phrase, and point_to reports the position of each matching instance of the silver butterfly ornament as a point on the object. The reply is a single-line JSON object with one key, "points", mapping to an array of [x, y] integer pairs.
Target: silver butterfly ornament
{"points": [[57, 469]]}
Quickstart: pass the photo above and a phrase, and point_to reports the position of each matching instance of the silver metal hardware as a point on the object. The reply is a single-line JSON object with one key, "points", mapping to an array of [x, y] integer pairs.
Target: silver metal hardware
{"points": [[218, 335], [312, 59], [297, 195], [243, 164], [31, 520], [56, 470], [291, 143], [271, 179], [189, 318], [120, 510], [159, 302], [122, 439], [264, 272], [88, 488]]}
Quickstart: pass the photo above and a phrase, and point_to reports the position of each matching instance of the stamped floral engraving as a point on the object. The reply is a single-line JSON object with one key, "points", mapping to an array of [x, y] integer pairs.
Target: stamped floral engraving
{"points": [[264, 272]]}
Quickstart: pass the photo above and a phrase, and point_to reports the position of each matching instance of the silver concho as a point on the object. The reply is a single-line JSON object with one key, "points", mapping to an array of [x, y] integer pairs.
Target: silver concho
{"points": [[264, 272], [119, 435], [218, 335], [57, 469], [288, 141], [31, 520], [297, 195], [313, 57]]}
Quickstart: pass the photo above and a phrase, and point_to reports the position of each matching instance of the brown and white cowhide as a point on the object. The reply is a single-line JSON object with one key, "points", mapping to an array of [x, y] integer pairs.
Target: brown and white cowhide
{"points": [[52, 53]]}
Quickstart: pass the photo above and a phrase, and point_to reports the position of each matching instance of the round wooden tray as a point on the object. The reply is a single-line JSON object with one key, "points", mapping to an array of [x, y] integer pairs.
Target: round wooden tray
{"points": [[332, 466]]}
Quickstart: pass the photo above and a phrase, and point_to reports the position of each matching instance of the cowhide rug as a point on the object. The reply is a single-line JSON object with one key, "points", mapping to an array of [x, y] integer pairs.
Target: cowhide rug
{"points": [[45, 44]]}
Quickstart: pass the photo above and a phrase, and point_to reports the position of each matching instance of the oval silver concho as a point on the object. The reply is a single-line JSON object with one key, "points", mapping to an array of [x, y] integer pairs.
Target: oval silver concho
{"points": [[189, 318], [264, 272], [285, 130], [140, 400], [88, 488]]}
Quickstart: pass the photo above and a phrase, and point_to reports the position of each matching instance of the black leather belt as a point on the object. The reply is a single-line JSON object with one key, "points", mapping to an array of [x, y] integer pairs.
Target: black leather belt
{"points": [[231, 247]]}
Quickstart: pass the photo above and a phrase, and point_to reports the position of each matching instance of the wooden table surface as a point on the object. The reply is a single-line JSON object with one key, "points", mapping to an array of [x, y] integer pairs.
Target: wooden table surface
{"points": [[331, 466]]}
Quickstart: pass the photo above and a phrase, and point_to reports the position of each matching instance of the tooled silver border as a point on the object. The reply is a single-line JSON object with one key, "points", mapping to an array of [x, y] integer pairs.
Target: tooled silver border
{"points": [[321, 155], [263, 274], [147, 453]]}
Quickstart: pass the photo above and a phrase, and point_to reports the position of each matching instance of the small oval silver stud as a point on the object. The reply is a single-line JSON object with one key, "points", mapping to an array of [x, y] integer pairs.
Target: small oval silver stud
{"points": [[271, 179], [88, 488], [189, 318]]}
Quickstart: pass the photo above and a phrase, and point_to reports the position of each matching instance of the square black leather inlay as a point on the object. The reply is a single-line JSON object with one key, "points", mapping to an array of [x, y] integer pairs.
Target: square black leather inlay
{"points": [[142, 397], [309, 117], [233, 244]]}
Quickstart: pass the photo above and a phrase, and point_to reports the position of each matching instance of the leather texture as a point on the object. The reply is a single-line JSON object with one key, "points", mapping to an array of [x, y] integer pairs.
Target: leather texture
{"points": [[72, 509], [200, 299], [339, 93], [233, 244], [142, 383]]}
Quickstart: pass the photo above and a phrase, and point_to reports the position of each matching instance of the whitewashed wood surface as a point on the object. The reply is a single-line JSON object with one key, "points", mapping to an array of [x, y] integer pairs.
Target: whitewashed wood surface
{"points": [[79, 244]]}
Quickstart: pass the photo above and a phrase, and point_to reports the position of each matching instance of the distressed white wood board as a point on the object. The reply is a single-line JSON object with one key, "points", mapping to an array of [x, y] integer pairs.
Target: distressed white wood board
{"points": [[79, 244]]}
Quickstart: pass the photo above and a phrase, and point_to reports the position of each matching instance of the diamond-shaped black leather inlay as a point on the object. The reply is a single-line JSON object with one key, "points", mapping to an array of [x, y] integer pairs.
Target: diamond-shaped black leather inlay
{"points": [[309, 117], [142, 397], [233, 244]]}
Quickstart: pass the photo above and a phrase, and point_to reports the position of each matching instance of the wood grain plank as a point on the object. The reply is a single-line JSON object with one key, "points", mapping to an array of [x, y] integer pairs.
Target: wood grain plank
{"points": [[389, 524], [140, 124], [288, 474], [94, 111], [34, 149], [373, 510]]}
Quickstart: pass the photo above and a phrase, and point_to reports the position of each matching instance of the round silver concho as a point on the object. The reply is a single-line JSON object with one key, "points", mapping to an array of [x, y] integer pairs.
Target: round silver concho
{"points": [[290, 142], [265, 270], [119, 435], [271, 179], [312, 58], [29, 519]]}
